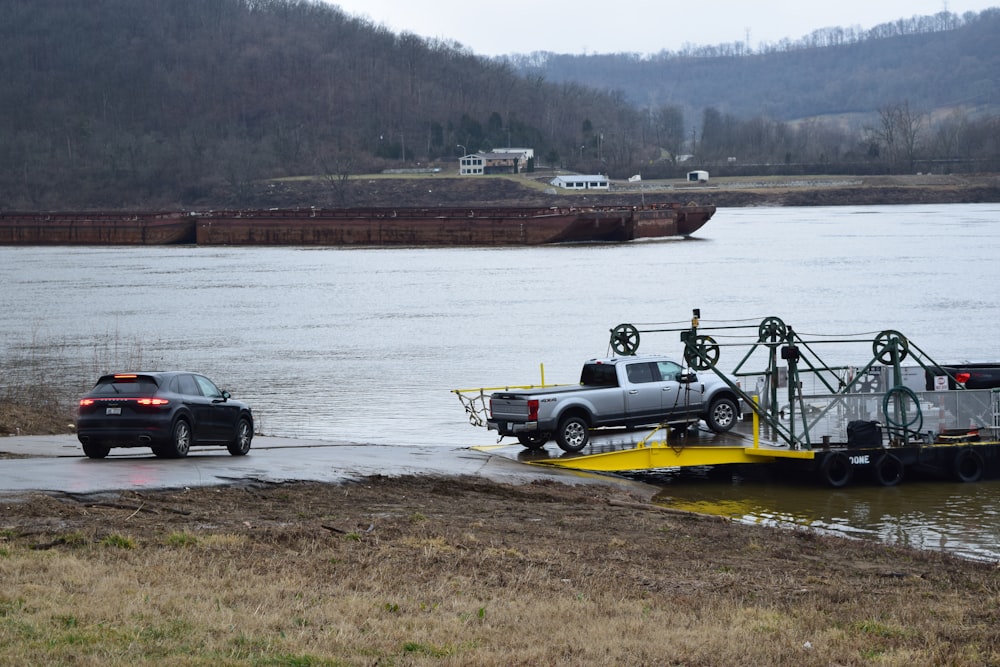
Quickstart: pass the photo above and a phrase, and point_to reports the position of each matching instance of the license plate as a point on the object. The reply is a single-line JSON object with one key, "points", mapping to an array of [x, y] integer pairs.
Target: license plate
{"points": [[113, 411]]}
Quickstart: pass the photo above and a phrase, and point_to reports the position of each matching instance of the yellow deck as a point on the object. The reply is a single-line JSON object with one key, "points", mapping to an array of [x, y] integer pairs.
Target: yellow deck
{"points": [[663, 455]]}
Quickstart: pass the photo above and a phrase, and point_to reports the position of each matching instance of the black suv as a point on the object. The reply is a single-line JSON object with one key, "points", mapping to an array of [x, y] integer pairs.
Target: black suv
{"points": [[170, 412]]}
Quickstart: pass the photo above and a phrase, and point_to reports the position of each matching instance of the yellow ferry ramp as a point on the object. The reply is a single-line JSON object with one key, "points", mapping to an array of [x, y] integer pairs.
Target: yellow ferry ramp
{"points": [[662, 455]]}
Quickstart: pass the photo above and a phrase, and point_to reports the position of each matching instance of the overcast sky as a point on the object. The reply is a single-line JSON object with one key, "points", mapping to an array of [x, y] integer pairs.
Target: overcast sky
{"points": [[501, 27]]}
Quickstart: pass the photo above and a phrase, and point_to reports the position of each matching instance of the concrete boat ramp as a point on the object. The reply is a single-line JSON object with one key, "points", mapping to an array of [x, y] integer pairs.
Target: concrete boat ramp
{"points": [[57, 464]]}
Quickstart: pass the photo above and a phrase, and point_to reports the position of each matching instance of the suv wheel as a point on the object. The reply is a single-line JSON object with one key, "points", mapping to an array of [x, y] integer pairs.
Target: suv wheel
{"points": [[180, 443], [244, 434], [573, 434], [95, 450]]}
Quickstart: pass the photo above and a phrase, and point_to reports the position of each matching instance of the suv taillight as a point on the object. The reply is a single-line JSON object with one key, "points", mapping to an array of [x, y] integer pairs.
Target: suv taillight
{"points": [[962, 378]]}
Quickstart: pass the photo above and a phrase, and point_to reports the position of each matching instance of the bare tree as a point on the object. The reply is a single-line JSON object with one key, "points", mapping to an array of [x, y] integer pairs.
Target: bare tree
{"points": [[898, 134], [336, 171]]}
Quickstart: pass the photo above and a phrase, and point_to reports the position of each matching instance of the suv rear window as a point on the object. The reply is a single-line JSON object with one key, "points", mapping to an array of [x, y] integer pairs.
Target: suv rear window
{"points": [[124, 386], [599, 375]]}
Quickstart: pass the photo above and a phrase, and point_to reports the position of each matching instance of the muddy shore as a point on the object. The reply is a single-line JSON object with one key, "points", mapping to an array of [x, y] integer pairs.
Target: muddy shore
{"points": [[533, 190]]}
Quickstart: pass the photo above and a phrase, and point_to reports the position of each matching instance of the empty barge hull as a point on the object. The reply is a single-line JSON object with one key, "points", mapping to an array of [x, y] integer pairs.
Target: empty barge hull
{"points": [[400, 226], [501, 226], [96, 228]]}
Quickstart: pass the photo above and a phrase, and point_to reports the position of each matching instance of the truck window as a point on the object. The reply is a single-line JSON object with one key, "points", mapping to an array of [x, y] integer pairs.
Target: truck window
{"points": [[668, 370], [639, 373], [599, 375]]}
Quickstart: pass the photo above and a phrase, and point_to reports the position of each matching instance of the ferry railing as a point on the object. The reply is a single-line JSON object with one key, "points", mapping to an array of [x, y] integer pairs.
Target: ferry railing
{"points": [[933, 414], [476, 401]]}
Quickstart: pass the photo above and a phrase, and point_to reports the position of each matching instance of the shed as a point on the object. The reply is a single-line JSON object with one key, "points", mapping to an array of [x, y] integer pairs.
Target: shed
{"points": [[581, 182], [698, 175]]}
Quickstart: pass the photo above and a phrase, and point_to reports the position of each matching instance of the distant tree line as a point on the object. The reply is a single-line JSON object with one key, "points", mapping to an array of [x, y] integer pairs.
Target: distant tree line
{"points": [[940, 64], [899, 140], [165, 103]]}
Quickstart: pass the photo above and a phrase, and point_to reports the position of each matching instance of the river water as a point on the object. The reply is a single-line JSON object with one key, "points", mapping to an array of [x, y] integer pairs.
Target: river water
{"points": [[364, 345]]}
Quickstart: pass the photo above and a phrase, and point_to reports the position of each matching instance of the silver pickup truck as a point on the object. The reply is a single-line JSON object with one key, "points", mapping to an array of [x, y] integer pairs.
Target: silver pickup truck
{"points": [[621, 391]]}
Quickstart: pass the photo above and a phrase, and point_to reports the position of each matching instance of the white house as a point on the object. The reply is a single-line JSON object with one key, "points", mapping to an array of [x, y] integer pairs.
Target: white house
{"points": [[699, 175], [581, 182], [494, 162], [470, 165]]}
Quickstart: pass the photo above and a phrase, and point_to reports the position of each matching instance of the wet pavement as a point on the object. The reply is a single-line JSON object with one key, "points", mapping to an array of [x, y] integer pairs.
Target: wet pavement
{"points": [[57, 464]]}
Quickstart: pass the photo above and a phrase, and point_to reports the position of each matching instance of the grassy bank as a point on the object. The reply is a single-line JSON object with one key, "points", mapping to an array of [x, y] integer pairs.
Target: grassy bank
{"points": [[421, 571], [41, 379]]}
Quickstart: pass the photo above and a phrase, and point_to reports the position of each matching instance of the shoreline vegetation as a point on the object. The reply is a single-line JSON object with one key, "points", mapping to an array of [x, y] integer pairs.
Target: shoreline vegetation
{"points": [[533, 189], [432, 190], [428, 570]]}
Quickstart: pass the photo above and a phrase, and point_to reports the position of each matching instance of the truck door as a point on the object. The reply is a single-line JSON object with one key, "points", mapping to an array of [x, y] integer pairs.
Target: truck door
{"points": [[678, 397], [642, 395]]}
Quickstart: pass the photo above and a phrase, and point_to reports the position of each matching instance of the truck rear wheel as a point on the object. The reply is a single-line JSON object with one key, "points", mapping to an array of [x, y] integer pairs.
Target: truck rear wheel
{"points": [[722, 415], [573, 433], [534, 440]]}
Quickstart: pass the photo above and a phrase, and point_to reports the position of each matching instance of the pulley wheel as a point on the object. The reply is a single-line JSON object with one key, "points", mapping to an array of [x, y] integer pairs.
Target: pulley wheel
{"points": [[907, 402], [771, 330], [889, 343], [702, 354], [625, 339]]}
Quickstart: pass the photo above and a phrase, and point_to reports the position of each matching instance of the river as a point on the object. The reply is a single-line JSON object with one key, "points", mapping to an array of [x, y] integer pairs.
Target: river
{"points": [[364, 345]]}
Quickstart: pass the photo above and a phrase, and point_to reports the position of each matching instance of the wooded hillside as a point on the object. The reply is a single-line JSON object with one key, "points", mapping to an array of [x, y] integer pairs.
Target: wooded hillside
{"points": [[166, 103], [938, 63]]}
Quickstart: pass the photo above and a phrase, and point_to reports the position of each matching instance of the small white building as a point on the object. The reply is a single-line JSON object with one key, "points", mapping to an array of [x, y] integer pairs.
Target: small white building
{"points": [[470, 165], [698, 176], [478, 164], [581, 182], [525, 153]]}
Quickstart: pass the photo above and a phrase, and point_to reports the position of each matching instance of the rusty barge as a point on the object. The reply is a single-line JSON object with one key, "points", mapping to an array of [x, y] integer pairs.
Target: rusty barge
{"points": [[388, 226], [96, 228]]}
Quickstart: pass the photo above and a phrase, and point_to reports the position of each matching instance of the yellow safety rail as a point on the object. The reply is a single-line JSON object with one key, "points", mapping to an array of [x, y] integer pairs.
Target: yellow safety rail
{"points": [[475, 401]]}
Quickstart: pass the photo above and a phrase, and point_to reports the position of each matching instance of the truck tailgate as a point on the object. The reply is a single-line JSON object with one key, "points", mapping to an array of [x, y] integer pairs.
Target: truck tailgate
{"points": [[513, 405], [509, 407]]}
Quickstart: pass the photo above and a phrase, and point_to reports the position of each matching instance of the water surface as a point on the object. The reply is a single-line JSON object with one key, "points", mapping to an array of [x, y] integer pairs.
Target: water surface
{"points": [[364, 345]]}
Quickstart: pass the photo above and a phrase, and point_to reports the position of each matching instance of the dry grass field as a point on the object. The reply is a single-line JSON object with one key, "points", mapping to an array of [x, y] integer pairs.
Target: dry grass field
{"points": [[430, 571]]}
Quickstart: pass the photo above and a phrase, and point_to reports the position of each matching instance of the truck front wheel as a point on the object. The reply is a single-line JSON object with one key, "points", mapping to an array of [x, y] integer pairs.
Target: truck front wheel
{"points": [[533, 440], [573, 433], [722, 415]]}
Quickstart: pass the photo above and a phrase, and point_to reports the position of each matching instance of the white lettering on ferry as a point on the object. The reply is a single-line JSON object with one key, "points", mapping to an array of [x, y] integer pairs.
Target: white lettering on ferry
{"points": [[860, 460]]}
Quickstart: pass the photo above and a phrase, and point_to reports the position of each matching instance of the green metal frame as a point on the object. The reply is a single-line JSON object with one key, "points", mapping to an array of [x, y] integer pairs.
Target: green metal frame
{"points": [[702, 352]]}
